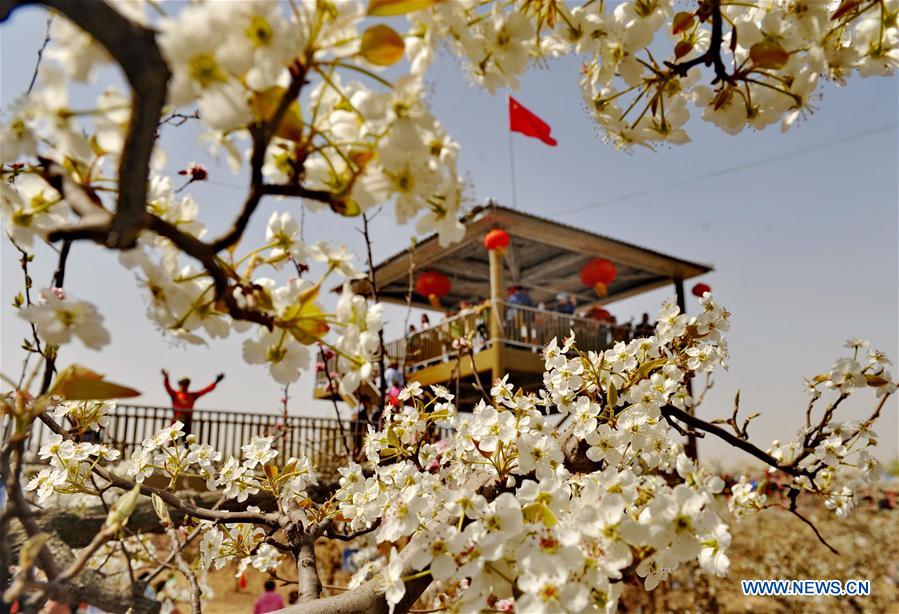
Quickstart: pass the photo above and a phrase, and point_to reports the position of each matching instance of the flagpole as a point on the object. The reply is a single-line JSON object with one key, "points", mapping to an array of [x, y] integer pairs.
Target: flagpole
{"points": [[512, 166]]}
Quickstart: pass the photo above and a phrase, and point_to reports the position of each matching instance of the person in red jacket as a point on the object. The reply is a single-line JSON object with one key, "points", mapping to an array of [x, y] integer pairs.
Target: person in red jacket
{"points": [[183, 400]]}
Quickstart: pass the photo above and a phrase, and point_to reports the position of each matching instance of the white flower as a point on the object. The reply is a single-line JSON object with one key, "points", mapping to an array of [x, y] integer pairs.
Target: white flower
{"points": [[267, 558], [584, 413], [604, 442], [502, 522], [203, 455], [402, 517], [712, 557], [413, 389], [85, 414], [337, 258], [58, 319], [283, 234], [17, 139], [139, 466], [846, 375], [202, 67], [46, 482], [436, 553], [258, 452], [283, 355], [391, 579], [540, 453], [492, 428]]}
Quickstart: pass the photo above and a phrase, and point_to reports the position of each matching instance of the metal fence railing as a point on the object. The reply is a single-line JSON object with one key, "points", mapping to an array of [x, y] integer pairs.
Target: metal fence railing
{"points": [[320, 439]]}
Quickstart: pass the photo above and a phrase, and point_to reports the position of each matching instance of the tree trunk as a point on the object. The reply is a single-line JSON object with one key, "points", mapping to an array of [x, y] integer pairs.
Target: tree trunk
{"points": [[310, 586], [77, 528], [90, 586]]}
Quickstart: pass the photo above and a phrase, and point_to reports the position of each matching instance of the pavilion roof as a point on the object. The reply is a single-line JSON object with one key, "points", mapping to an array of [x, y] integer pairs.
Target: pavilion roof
{"points": [[544, 256]]}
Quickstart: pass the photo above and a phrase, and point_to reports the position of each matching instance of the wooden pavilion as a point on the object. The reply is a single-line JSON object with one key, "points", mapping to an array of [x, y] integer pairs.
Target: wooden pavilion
{"points": [[545, 257], [542, 255]]}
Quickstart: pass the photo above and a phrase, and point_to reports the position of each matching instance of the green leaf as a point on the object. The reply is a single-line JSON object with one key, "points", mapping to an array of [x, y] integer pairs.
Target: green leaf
{"points": [[161, 509], [123, 508], [613, 395], [648, 367], [540, 512], [392, 438], [346, 206], [271, 472]]}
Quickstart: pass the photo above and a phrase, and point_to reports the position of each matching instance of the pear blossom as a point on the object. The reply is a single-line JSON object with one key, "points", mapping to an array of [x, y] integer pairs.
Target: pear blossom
{"points": [[58, 319]]}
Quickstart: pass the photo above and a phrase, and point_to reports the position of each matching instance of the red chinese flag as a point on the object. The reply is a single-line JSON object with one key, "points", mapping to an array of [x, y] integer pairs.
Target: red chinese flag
{"points": [[523, 121]]}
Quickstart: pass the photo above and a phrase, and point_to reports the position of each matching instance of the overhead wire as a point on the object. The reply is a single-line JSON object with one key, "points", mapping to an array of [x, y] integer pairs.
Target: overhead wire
{"points": [[731, 169]]}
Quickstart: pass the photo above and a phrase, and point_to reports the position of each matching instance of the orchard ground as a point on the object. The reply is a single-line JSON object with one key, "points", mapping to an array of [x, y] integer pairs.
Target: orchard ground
{"points": [[771, 544]]}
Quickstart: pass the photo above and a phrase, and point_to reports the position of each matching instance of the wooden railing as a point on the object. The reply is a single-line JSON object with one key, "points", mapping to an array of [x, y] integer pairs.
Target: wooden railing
{"points": [[320, 439], [533, 328], [421, 348], [525, 327]]}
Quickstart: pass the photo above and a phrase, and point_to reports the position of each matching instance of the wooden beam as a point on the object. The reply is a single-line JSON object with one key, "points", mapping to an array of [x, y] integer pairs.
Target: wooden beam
{"points": [[554, 290], [647, 287], [583, 242], [424, 255], [549, 268], [512, 263]]}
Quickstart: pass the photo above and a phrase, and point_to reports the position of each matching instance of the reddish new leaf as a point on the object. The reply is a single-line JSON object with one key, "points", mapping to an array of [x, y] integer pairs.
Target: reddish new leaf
{"points": [[768, 55], [682, 22]]}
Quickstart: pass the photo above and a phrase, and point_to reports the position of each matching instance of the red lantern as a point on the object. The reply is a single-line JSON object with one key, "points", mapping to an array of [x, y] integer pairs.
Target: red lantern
{"points": [[700, 289], [598, 273], [433, 285], [497, 239]]}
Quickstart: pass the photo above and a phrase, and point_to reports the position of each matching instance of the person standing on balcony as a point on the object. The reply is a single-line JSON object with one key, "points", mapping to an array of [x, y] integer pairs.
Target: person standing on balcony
{"points": [[183, 400], [519, 295], [645, 328], [565, 303], [392, 374]]}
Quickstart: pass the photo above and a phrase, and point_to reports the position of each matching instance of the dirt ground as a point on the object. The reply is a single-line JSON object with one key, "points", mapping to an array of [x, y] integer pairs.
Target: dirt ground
{"points": [[773, 544]]}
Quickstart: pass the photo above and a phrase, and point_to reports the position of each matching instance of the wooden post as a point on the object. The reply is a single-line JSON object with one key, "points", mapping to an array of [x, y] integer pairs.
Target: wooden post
{"points": [[691, 449], [496, 313]]}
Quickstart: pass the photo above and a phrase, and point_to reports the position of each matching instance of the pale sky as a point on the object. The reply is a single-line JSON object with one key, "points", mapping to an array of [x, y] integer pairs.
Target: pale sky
{"points": [[800, 227]]}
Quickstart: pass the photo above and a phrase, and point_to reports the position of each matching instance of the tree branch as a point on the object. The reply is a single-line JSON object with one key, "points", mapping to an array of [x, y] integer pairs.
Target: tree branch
{"points": [[88, 585], [730, 438], [270, 519], [712, 56], [332, 389], [134, 48], [373, 286], [184, 568]]}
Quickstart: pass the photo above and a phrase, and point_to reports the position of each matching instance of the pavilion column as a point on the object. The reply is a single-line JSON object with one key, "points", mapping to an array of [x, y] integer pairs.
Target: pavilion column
{"points": [[496, 313], [691, 449]]}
